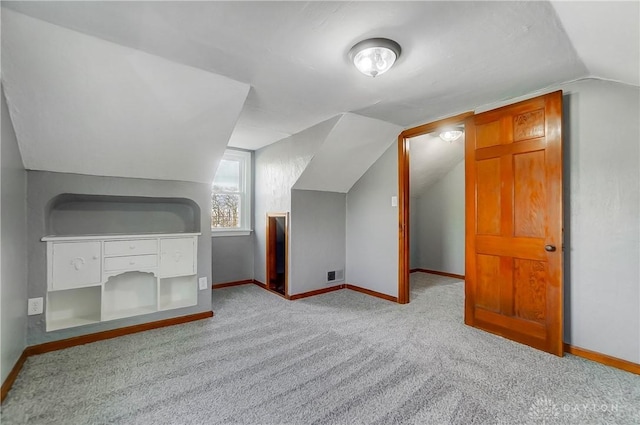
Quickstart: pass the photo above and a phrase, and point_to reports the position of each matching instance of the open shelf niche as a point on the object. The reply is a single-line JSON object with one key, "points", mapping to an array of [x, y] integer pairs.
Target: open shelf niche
{"points": [[129, 294], [73, 307]]}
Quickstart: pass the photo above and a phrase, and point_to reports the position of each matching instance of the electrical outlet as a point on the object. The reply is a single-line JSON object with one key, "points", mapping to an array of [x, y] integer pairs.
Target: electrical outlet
{"points": [[202, 283], [35, 306]]}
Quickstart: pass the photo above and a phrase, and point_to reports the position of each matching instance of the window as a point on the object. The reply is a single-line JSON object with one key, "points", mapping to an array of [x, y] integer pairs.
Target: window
{"points": [[231, 195]]}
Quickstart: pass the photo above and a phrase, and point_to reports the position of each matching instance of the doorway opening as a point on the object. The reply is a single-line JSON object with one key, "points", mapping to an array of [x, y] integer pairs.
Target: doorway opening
{"points": [[278, 252], [404, 193], [437, 203]]}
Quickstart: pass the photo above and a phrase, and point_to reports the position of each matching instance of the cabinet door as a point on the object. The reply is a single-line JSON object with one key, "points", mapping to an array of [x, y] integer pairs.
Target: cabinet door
{"points": [[177, 257], [75, 264]]}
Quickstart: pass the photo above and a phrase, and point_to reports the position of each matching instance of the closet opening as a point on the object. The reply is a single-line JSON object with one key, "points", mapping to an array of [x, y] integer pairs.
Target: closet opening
{"points": [[278, 252]]}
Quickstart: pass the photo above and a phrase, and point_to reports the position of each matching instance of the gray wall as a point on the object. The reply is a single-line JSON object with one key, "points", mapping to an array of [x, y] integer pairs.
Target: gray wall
{"points": [[372, 227], [231, 258], [13, 246], [413, 233], [438, 218], [318, 229], [602, 238], [277, 168], [42, 187], [82, 215]]}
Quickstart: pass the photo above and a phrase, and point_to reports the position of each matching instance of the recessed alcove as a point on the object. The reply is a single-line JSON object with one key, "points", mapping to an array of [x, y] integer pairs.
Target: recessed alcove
{"points": [[76, 214], [129, 294]]}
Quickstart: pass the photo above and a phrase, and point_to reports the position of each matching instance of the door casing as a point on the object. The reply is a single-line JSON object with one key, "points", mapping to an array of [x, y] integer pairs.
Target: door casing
{"points": [[270, 249]]}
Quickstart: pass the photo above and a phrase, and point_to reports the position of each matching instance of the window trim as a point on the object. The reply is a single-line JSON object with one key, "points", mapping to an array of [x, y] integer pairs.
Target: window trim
{"points": [[245, 229], [223, 232]]}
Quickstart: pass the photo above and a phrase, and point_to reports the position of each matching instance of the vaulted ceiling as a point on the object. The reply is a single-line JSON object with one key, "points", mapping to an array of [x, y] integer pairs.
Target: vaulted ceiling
{"points": [[292, 59]]}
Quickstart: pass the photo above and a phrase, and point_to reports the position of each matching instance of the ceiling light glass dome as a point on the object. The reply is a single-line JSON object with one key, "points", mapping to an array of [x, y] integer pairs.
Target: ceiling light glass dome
{"points": [[375, 56]]}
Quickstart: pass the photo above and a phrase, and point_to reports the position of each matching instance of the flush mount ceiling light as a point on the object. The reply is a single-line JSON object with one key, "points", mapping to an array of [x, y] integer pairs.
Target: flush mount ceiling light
{"points": [[375, 56], [451, 134]]}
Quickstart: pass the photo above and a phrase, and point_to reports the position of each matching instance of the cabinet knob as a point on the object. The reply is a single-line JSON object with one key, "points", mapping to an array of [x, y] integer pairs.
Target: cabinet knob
{"points": [[132, 247], [131, 263]]}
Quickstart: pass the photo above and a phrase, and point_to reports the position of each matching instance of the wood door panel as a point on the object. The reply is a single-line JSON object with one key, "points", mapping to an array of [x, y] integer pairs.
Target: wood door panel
{"points": [[528, 125], [488, 134], [508, 326], [530, 248], [530, 290], [529, 177], [489, 196], [520, 147], [487, 284], [514, 212]]}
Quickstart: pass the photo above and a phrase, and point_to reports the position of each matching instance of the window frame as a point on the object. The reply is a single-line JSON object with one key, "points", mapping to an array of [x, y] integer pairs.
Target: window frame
{"points": [[245, 193]]}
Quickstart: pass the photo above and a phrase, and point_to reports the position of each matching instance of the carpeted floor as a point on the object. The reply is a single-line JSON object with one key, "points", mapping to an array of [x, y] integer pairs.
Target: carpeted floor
{"points": [[338, 358]]}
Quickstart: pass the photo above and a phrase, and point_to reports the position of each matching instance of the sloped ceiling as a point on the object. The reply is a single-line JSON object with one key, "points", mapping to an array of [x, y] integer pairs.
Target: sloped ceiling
{"points": [[352, 146], [431, 159], [294, 56], [606, 36], [83, 105], [456, 55]]}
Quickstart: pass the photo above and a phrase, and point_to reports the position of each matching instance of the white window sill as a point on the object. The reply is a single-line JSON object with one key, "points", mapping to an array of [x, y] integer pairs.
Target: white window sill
{"points": [[217, 233]]}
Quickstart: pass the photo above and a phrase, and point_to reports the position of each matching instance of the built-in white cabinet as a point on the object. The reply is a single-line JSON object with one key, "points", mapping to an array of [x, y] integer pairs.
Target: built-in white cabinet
{"points": [[98, 278], [176, 257], [75, 264]]}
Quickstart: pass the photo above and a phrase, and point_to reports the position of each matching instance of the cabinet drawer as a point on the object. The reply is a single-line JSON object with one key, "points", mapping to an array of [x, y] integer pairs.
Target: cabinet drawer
{"points": [[131, 247], [75, 264], [131, 262]]}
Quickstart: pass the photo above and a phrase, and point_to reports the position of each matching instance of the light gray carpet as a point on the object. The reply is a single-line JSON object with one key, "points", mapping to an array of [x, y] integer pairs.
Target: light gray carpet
{"points": [[338, 358]]}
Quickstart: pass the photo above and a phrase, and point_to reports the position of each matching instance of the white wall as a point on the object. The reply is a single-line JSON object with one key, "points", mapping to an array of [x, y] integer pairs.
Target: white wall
{"points": [[438, 218], [318, 223], [277, 168], [372, 227], [13, 237]]}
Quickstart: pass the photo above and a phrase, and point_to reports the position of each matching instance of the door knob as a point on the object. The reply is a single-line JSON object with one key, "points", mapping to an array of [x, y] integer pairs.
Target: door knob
{"points": [[550, 248]]}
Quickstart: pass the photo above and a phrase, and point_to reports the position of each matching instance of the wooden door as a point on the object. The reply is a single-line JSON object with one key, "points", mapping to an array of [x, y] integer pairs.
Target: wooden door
{"points": [[272, 235], [514, 222]]}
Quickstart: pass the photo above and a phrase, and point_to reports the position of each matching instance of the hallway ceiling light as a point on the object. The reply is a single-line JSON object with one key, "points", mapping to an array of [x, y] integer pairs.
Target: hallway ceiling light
{"points": [[451, 135], [375, 56]]}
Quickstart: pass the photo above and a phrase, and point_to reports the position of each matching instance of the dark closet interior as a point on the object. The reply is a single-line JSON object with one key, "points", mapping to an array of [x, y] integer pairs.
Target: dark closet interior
{"points": [[277, 253]]}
